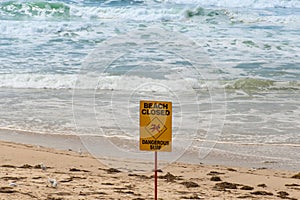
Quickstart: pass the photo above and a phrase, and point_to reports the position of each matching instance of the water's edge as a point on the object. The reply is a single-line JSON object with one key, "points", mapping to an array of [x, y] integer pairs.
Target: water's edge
{"points": [[217, 155]]}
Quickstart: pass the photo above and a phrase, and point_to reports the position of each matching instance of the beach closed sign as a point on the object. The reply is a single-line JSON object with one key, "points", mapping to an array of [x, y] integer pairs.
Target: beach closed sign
{"points": [[155, 126]]}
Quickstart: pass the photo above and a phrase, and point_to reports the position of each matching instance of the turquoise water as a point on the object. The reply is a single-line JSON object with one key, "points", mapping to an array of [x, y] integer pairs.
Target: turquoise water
{"points": [[245, 91]]}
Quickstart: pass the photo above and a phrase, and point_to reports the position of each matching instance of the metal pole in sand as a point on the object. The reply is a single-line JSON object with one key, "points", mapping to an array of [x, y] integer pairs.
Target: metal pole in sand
{"points": [[155, 175]]}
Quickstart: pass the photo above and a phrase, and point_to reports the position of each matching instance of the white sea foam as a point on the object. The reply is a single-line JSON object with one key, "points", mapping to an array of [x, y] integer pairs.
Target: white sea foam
{"points": [[241, 3], [129, 83], [127, 13], [58, 81], [37, 81], [169, 10]]}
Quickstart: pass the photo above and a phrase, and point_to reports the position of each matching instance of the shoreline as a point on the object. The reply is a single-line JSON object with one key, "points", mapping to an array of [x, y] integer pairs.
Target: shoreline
{"points": [[228, 154], [80, 176]]}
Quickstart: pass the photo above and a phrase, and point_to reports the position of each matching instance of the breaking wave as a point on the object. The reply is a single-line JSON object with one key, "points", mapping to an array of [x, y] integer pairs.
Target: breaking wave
{"points": [[68, 81], [19, 10]]}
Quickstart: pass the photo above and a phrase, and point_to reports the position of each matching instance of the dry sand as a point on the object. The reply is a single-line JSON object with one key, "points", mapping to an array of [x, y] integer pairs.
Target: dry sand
{"points": [[80, 176]]}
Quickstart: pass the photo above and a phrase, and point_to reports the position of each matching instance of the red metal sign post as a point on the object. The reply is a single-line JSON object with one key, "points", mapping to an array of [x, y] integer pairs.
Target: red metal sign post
{"points": [[155, 175]]}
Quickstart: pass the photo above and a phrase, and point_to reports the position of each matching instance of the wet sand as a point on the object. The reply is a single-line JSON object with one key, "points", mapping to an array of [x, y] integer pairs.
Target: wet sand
{"points": [[35, 172]]}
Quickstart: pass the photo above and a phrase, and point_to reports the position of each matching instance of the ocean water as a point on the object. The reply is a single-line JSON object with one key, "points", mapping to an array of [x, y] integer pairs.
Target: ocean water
{"points": [[231, 69]]}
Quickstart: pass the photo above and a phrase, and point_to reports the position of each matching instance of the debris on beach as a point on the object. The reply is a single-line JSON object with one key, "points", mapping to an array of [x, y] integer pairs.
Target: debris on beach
{"points": [[212, 173], [262, 193], [215, 178], [13, 184], [43, 167], [140, 176], [112, 171], [246, 187], [296, 176], [282, 194], [13, 178], [262, 185], [169, 177], [190, 184], [231, 169], [226, 185], [77, 170], [8, 166], [26, 166], [292, 185], [6, 190], [194, 196], [53, 182]]}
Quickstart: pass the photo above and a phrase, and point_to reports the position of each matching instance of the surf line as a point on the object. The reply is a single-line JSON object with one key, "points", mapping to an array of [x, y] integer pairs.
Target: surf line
{"points": [[155, 109]]}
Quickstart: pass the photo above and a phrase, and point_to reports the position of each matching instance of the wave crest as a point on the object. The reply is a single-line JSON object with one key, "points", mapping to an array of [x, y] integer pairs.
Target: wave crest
{"points": [[106, 82], [253, 84], [34, 9]]}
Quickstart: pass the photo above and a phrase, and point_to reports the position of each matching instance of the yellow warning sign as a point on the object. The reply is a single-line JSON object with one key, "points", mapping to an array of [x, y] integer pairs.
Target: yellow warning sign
{"points": [[155, 126]]}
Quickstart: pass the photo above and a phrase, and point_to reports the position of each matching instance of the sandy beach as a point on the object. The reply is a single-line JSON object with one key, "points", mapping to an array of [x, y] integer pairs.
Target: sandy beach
{"points": [[78, 82], [35, 172]]}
